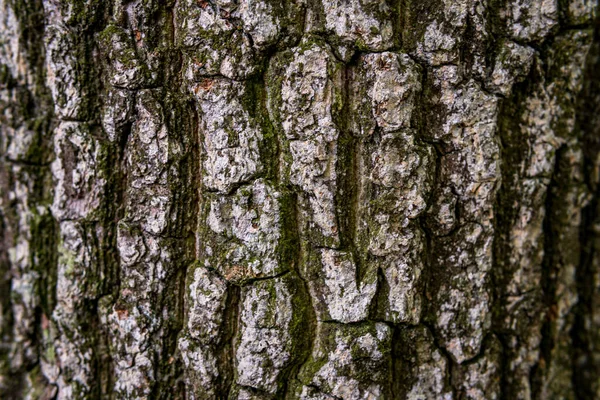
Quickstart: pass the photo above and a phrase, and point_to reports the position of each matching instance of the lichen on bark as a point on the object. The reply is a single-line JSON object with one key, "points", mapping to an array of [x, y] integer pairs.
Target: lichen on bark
{"points": [[299, 199]]}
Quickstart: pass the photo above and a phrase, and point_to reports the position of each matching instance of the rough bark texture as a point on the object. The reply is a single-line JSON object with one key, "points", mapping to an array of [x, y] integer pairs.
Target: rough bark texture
{"points": [[299, 199]]}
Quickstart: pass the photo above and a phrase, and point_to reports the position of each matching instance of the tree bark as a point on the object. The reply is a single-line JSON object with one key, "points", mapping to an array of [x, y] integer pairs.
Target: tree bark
{"points": [[299, 199]]}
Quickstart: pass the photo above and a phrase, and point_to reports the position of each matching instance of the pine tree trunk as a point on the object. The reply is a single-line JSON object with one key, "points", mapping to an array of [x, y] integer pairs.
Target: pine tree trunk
{"points": [[299, 199]]}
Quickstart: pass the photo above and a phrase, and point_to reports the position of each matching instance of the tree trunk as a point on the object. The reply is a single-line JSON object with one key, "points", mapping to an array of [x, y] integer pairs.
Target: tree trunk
{"points": [[299, 199]]}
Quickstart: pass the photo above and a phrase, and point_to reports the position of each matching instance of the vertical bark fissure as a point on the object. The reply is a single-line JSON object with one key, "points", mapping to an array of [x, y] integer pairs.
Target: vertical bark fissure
{"points": [[348, 175], [584, 333], [308, 316], [232, 326], [549, 267]]}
